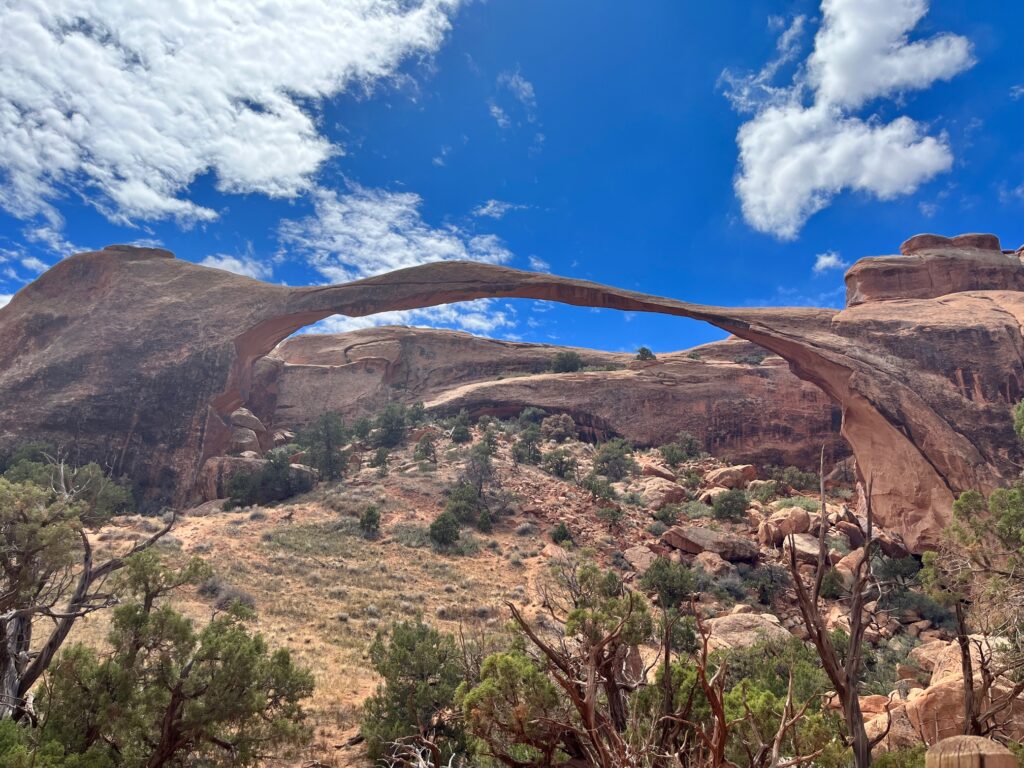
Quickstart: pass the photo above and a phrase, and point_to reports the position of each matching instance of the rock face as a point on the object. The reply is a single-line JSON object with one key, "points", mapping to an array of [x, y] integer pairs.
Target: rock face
{"points": [[741, 630], [760, 413], [133, 358]]}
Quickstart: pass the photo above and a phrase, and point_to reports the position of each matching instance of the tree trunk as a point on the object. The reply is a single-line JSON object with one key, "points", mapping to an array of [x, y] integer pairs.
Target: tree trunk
{"points": [[15, 638], [971, 725]]}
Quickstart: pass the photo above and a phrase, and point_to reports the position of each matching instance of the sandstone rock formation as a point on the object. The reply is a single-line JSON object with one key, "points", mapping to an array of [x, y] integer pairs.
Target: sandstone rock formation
{"points": [[759, 413], [134, 358]]}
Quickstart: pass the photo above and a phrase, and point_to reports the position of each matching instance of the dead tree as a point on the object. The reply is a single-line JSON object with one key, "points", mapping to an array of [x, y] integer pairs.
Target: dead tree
{"points": [[843, 674]]}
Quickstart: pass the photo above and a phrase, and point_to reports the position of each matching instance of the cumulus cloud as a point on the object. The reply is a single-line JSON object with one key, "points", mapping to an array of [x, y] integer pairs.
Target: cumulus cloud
{"points": [[828, 261], [500, 115], [496, 209], [369, 231], [366, 232], [806, 141], [129, 102], [5, 299], [247, 265]]}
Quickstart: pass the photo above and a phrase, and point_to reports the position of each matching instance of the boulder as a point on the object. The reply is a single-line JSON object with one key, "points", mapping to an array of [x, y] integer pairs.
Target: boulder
{"points": [[925, 655], [791, 520], [640, 557], [650, 468], [713, 564], [243, 417], [890, 545], [769, 535], [852, 532], [741, 630], [737, 476], [659, 492], [805, 546], [901, 732], [694, 540], [283, 437], [244, 439], [217, 472], [847, 565]]}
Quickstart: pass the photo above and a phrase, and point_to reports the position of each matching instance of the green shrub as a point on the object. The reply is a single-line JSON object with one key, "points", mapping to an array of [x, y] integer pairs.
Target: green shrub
{"points": [[794, 478], [559, 427], [369, 522], [614, 460], [695, 510], [420, 671], [379, 460], [426, 448], [526, 450], [561, 534], [463, 503], [598, 487], [832, 587], [566, 361], [612, 515], [683, 448], [444, 531], [276, 481], [483, 522], [531, 415], [324, 440], [390, 425], [645, 354], [668, 515], [731, 505], [764, 492], [804, 502], [907, 757], [559, 463]]}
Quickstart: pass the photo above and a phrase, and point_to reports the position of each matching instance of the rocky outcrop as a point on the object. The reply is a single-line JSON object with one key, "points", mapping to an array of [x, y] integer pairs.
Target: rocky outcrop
{"points": [[741, 630], [743, 410], [134, 358]]}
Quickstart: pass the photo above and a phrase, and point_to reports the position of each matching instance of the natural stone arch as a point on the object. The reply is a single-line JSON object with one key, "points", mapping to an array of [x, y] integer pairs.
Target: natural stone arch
{"points": [[132, 348]]}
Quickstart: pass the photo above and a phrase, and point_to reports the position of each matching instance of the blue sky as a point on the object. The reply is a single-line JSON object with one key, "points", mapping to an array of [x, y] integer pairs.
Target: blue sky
{"points": [[714, 152]]}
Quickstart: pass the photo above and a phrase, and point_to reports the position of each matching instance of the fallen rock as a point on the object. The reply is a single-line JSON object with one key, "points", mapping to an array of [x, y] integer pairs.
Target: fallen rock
{"points": [[847, 566], [852, 532], [769, 535], [659, 492], [243, 417], [791, 520], [640, 557], [244, 439], [694, 540], [217, 472], [901, 735], [650, 468], [714, 564], [805, 546], [737, 476], [708, 496], [741, 630]]}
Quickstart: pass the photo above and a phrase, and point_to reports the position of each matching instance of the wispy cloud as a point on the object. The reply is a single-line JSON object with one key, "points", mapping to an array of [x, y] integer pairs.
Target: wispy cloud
{"points": [[500, 115], [538, 264], [807, 141], [496, 209]]}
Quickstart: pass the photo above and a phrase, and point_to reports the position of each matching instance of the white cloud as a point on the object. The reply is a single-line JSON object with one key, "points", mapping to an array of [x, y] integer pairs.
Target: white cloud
{"points": [[5, 299], [538, 264], [830, 260], [805, 144], [500, 116], [34, 264], [129, 102], [479, 316], [520, 87], [370, 231], [247, 265], [1017, 92], [496, 209]]}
